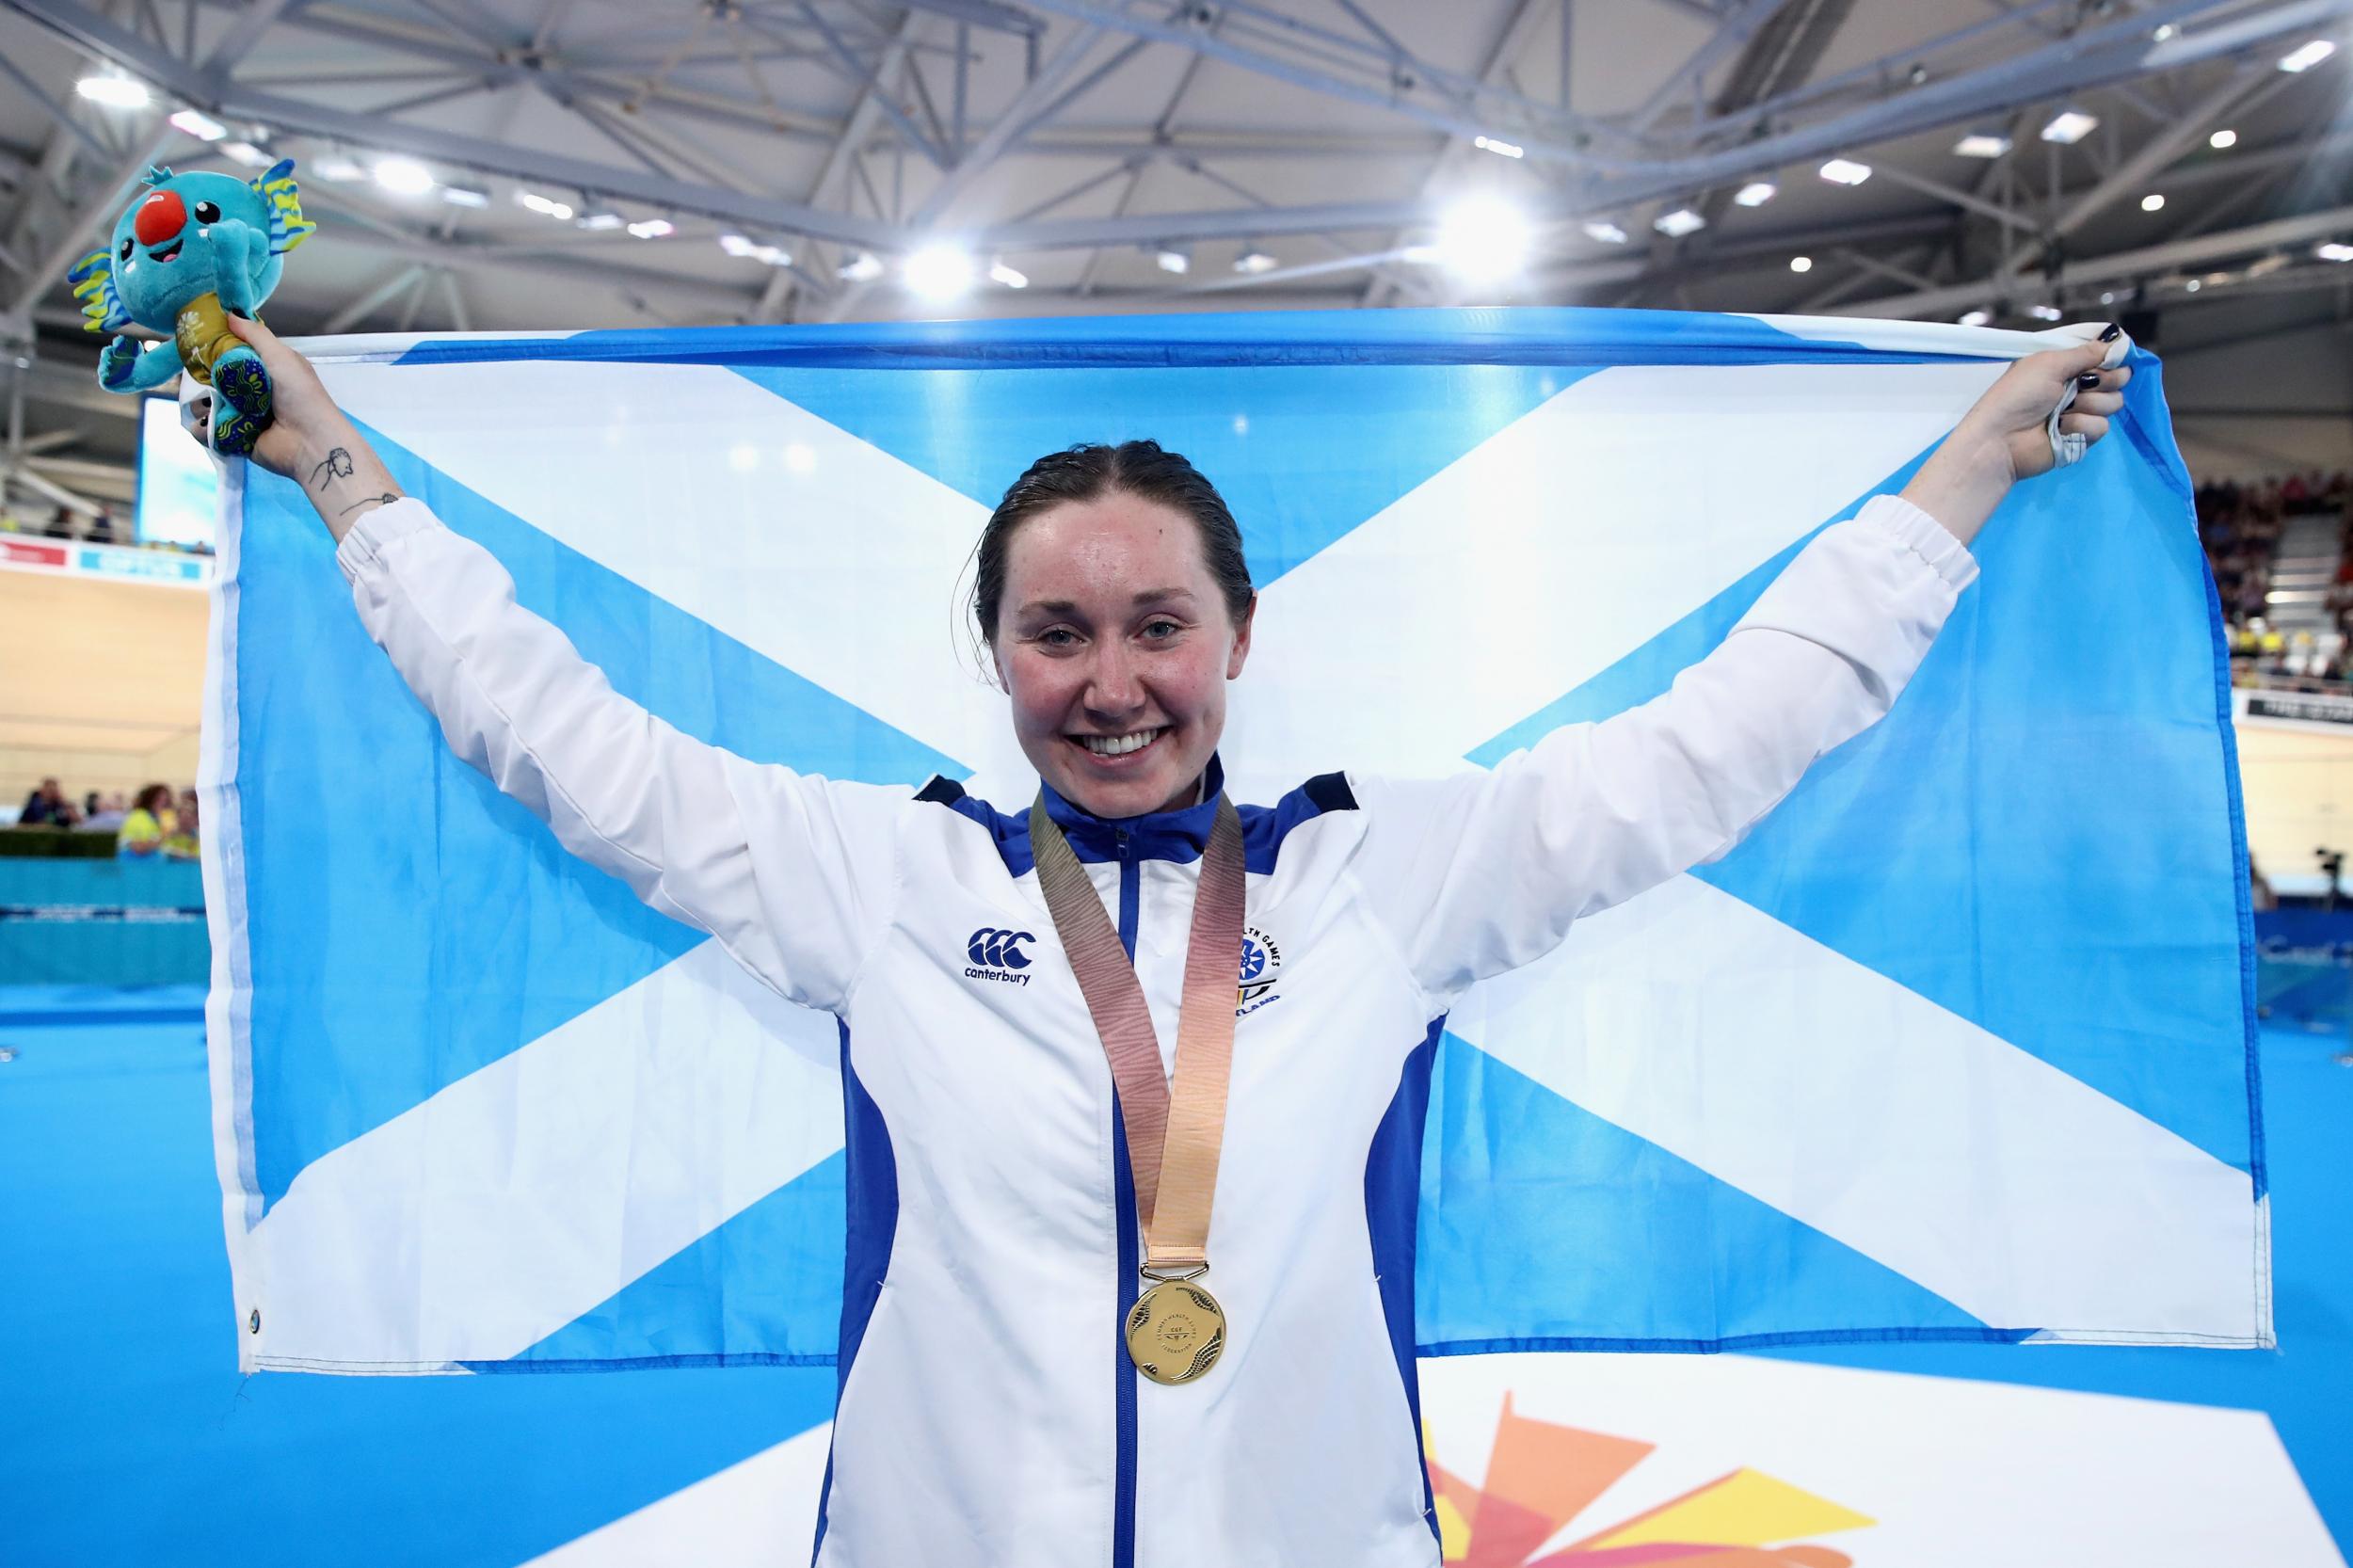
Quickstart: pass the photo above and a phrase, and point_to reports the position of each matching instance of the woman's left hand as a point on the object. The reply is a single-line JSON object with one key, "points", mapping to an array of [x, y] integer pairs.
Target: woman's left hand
{"points": [[2005, 436], [2015, 411]]}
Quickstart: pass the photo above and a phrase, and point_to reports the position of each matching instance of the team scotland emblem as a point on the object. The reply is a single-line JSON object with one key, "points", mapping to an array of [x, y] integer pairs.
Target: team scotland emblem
{"points": [[1261, 961]]}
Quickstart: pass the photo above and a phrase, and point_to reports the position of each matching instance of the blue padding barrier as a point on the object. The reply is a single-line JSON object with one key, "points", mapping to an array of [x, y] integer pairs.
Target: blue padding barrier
{"points": [[102, 923]]}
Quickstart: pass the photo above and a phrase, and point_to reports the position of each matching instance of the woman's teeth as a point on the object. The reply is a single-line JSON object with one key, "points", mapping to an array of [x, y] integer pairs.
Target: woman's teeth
{"points": [[1119, 746]]}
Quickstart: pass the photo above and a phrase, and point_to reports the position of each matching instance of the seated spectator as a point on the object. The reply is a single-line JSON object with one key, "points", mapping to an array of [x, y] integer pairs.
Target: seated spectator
{"points": [[105, 816], [47, 807], [149, 821], [180, 842]]}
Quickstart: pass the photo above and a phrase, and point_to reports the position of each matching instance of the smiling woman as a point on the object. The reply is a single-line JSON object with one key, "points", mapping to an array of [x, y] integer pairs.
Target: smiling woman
{"points": [[1130, 609], [1043, 1011]]}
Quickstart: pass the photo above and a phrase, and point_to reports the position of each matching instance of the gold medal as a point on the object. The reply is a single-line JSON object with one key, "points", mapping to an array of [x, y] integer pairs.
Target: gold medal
{"points": [[1175, 1332]]}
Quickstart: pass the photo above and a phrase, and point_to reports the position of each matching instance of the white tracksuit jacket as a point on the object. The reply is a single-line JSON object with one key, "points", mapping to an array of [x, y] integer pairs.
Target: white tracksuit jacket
{"points": [[988, 1416]]}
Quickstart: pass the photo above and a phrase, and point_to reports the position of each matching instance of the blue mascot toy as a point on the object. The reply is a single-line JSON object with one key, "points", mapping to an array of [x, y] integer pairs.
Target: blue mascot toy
{"points": [[194, 246]]}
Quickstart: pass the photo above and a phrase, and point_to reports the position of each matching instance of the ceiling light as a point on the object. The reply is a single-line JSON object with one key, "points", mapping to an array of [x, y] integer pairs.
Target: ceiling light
{"points": [[1609, 234], [2334, 251], [2153, 202], [1755, 193], [1253, 260], [199, 125], [403, 176], [247, 154], [2193, 285], [1982, 144], [597, 222], [1172, 258], [864, 267], [1484, 238], [335, 166], [653, 228], [2045, 313], [939, 272], [1802, 263], [1846, 171], [117, 92], [458, 196], [2165, 32], [1975, 318], [751, 250], [2308, 57], [548, 205], [2070, 126], [2222, 138], [1000, 273], [1676, 224], [1502, 148]]}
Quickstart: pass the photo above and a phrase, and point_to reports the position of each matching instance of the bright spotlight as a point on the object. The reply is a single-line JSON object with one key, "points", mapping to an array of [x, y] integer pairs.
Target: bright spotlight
{"points": [[2153, 202], [547, 206], [117, 92], [2308, 57], [2045, 313], [1605, 231], [2070, 126], [403, 176], [2222, 138], [1010, 277], [1802, 263], [1975, 318], [939, 272], [1756, 193], [1501, 149], [199, 125], [2334, 251], [1485, 239], [1846, 171], [653, 228], [864, 267], [1982, 144], [1172, 258], [1253, 260], [1676, 224]]}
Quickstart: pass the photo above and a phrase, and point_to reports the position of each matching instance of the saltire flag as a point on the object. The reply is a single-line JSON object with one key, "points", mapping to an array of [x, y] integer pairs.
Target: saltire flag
{"points": [[1957, 1044]]}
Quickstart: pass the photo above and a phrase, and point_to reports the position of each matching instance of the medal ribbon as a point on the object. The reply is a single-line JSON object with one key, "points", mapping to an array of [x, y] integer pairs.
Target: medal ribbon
{"points": [[1174, 1136]]}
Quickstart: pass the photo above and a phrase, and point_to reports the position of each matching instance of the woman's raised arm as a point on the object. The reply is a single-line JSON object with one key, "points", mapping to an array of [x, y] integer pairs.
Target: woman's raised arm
{"points": [[1486, 871], [791, 873]]}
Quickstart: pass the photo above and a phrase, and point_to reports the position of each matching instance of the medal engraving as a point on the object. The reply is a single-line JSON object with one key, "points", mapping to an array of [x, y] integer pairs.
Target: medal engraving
{"points": [[1175, 1332]]}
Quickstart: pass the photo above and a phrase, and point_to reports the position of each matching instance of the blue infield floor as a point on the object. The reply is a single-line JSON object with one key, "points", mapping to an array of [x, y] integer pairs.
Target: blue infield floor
{"points": [[127, 1435]]}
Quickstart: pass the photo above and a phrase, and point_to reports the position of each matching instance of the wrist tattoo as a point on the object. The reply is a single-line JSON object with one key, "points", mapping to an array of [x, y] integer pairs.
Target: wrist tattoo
{"points": [[368, 500], [337, 465]]}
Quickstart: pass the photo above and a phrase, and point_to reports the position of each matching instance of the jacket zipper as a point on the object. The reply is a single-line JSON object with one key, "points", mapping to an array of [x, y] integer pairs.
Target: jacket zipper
{"points": [[1131, 1258]]}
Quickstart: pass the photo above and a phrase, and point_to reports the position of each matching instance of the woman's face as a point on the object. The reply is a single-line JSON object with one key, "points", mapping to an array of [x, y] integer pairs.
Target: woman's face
{"points": [[1116, 646]]}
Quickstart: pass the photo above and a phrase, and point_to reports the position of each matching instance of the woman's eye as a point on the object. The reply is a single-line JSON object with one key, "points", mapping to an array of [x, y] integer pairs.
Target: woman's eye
{"points": [[1162, 630], [207, 212], [1058, 636]]}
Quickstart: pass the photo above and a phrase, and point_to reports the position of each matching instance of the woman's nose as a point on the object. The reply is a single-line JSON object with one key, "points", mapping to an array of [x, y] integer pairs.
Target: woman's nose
{"points": [[161, 215], [1113, 688]]}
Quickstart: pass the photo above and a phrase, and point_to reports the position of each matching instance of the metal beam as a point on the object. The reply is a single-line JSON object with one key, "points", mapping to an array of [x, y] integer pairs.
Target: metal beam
{"points": [[2246, 86], [219, 94], [2124, 265]]}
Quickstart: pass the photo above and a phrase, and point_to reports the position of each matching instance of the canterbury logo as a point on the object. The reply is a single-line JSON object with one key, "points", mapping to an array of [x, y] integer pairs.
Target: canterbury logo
{"points": [[998, 949]]}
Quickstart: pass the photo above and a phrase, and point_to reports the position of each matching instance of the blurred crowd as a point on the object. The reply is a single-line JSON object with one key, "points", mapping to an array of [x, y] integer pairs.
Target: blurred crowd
{"points": [[154, 823], [65, 523], [2241, 525]]}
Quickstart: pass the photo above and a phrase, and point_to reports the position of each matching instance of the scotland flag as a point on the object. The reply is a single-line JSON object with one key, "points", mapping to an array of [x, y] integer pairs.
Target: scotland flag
{"points": [[1957, 1044]]}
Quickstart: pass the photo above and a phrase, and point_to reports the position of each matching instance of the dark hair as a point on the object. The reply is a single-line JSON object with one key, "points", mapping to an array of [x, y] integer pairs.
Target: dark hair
{"points": [[1091, 470], [153, 796]]}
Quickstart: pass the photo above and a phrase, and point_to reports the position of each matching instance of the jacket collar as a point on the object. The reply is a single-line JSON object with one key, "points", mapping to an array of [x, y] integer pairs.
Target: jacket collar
{"points": [[1179, 835]]}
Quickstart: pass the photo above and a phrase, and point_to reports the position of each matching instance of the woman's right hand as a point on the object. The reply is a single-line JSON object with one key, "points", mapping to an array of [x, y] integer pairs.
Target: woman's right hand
{"points": [[303, 419], [309, 440]]}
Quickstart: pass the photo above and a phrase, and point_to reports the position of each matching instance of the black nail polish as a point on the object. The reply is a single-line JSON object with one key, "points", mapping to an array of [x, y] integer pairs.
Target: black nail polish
{"points": [[2112, 333], [2089, 380]]}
